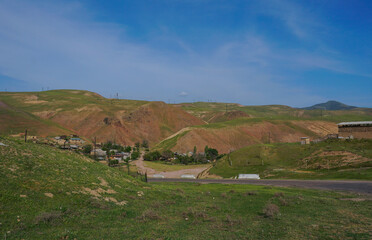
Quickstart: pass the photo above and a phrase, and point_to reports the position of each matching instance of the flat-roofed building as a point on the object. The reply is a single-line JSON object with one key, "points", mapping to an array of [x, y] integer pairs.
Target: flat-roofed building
{"points": [[355, 129]]}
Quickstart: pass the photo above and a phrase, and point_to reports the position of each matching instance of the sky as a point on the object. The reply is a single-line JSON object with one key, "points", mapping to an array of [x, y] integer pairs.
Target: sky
{"points": [[295, 53]]}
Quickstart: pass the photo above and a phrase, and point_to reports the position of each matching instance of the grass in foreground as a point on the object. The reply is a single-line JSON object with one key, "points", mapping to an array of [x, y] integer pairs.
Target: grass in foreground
{"points": [[50, 194]]}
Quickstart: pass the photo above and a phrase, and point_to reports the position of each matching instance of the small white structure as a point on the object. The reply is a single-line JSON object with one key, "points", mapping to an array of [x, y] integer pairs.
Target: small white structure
{"points": [[2, 144], [305, 140], [157, 176], [249, 176], [189, 176]]}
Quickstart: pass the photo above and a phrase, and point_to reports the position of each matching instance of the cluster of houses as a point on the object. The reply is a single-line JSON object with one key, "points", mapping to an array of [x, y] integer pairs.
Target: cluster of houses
{"points": [[73, 142], [346, 130], [100, 154]]}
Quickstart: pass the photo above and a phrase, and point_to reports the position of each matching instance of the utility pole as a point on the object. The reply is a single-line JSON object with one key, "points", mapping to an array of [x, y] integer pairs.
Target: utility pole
{"points": [[94, 150], [26, 135]]}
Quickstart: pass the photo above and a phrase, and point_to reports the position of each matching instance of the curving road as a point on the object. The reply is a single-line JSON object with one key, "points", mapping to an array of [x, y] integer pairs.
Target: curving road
{"points": [[364, 187]]}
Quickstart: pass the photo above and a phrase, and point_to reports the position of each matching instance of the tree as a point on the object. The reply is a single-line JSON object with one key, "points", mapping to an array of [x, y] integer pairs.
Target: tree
{"points": [[211, 153], [127, 149], [152, 156], [194, 153], [87, 149], [135, 155], [167, 154], [137, 144], [127, 162], [145, 144], [107, 146]]}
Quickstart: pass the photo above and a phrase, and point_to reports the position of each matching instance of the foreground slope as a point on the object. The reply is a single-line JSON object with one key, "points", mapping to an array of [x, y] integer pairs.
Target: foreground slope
{"points": [[51, 194], [332, 159]]}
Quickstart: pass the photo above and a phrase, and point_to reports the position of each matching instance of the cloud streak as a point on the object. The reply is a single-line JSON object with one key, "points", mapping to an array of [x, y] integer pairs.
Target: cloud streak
{"points": [[62, 46]]}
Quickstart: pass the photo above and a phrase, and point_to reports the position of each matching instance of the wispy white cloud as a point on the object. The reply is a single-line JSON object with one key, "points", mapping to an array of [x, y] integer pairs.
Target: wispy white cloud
{"points": [[61, 46]]}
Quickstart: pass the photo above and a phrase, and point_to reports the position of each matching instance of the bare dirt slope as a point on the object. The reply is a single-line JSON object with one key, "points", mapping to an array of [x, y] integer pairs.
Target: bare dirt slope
{"points": [[88, 115], [230, 138]]}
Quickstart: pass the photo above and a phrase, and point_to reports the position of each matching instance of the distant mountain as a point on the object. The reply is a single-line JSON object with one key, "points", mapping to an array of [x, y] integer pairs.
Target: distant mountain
{"points": [[330, 105]]}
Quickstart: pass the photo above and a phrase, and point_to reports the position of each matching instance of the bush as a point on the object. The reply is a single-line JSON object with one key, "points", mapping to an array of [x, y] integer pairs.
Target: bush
{"points": [[127, 149], [135, 155], [270, 210], [167, 154], [283, 202], [47, 217], [152, 156], [145, 144], [87, 149], [114, 162], [149, 215], [279, 194]]}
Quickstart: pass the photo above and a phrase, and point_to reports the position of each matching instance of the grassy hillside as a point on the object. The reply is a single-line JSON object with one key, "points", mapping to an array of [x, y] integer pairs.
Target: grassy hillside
{"points": [[89, 114], [219, 125], [47, 193], [13, 121], [326, 160], [217, 112]]}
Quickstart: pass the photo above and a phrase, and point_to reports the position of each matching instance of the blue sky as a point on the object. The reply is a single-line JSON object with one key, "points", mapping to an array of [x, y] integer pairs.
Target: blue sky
{"points": [[296, 53]]}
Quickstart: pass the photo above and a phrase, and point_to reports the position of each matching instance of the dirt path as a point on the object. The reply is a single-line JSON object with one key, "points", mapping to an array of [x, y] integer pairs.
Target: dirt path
{"points": [[179, 132], [171, 174]]}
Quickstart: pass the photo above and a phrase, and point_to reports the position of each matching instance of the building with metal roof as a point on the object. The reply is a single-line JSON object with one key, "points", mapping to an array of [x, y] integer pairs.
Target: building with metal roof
{"points": [[359, 130]]}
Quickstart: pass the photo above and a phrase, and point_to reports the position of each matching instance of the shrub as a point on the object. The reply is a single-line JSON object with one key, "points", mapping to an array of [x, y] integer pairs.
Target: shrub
{"points": [[47, 217], [87, 149], [135, 155], [114, 162], [250, 193], [149, 215], [152, 156], [270, 210], [283, 202], [279, 194]]}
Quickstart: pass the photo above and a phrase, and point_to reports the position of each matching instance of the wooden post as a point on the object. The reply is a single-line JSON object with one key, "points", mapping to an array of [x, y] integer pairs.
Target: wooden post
{"points": [[26, 135], [94, 150]]}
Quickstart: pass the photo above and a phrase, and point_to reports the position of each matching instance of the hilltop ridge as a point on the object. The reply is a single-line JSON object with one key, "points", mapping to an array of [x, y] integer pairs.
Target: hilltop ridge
{"points": [[331, 105], [224, 126]]}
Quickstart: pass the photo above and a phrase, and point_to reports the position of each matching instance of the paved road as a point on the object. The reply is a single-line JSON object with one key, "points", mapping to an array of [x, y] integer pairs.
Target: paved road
{"points": [[364, 187]]}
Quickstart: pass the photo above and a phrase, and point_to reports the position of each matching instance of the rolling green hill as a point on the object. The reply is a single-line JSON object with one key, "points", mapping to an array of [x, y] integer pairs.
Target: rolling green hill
{"points": [[224, 126], [332, 159], [213, 112], [48, 193]]}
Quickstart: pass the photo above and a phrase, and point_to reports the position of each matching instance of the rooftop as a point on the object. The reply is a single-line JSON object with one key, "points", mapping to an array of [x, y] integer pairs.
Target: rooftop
{"points": [[355, 123]]}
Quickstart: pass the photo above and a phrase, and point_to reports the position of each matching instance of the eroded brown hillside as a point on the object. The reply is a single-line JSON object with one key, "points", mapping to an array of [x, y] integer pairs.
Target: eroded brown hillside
{"points": [[234, 137]]}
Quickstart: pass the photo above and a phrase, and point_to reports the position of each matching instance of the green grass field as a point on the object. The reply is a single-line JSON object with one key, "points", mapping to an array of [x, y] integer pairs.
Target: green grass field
{"points": [[47, 193], [315, 161]]}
